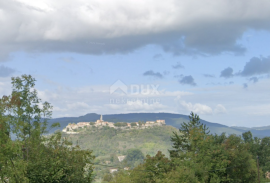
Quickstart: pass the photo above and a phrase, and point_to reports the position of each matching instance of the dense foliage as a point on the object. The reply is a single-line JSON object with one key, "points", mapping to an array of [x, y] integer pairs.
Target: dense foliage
{"points": [[30, 156], [120, 124], [196, 156], [108, 143]]}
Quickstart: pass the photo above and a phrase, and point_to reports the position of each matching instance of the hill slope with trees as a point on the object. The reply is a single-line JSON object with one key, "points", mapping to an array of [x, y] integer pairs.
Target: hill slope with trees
{"points": [[197, 156]]}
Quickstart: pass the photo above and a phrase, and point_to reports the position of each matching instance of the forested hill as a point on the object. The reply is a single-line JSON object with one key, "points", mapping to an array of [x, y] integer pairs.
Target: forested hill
{"points": [[174, 120]]}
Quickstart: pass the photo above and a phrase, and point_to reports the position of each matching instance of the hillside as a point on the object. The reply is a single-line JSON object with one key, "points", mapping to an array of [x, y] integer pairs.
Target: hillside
{"points": [[105, 141], [174, 120], [108, 143], [256, 131]]}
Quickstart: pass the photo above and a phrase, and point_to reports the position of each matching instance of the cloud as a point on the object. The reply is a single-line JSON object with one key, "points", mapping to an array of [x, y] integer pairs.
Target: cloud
{"points": [[256, 66], [6, 71], [80, 101], [227, 73], [154, 74], [209, 75], [197, 108], [158, 57], [69, 60], [166, 72], [178, 76], [245, 85], [220, 109], [178, 66], [254, 79], [121, 26], [98, 97], [189, 80], [137, 106]]}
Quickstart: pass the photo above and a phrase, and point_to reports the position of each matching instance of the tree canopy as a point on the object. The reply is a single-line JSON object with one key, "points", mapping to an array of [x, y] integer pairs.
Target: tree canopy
{"points": [[197, 156], [33, 155]]}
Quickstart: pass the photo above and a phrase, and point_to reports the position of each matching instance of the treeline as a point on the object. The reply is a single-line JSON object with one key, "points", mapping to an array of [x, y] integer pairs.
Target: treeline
{"points": [[123, 124], [196, 156], [30, 155]]}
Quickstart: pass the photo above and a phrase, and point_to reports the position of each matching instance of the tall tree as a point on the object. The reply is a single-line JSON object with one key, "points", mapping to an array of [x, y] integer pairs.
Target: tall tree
{"points": [[193, 131], [34, 156]]}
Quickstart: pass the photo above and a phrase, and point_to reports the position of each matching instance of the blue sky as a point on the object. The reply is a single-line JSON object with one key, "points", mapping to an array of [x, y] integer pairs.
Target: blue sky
{"points": [[213, 60]]}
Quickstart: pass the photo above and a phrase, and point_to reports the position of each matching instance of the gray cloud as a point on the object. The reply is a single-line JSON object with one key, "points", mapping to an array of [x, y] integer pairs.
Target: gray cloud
{"points": [[166, 72], [158, 57], [254, 79], [152, 73], [189, 80], [256, 66], [227, 73], [6, 71], [178, 66], [68, 59], [209, 75], [99, 27], [178, 76], [204, 43]]}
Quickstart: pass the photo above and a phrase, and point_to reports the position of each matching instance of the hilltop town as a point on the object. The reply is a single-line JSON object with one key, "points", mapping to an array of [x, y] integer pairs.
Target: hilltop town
{"points": [[73, 128]]}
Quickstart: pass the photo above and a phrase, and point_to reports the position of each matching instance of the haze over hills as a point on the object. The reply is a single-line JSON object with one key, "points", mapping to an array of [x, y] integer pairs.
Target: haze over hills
{"points": [[171, 119]]}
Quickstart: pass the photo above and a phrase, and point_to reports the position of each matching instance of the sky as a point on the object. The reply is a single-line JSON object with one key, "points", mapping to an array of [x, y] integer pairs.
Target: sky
{"points": [[126, 56]]}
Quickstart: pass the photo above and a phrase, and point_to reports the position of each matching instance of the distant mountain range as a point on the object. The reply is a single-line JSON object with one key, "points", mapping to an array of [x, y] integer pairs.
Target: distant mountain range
{"points": [[174, 120]]}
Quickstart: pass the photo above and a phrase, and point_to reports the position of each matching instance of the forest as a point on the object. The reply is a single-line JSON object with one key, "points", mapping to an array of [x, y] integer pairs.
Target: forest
{"points": [[196, 156]]}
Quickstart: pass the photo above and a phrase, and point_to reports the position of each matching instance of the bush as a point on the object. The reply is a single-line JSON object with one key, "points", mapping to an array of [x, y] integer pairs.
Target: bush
{"points": [[120, 124]]}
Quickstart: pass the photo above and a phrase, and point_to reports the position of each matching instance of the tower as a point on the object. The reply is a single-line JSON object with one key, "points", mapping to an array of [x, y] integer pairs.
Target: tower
{"points": [[101, 117]]}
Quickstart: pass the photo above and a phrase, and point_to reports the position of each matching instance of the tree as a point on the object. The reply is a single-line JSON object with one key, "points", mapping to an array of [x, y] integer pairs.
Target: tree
{"points": [[141, 123], [59, 161], [120, 124], [157, 167], [189, 134], [259, 148], [134, 155], [247, 136], [212, 158], [107, 177], [33, 156], [264, 154], [197, 156], [133, 124], [123, 177]]}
